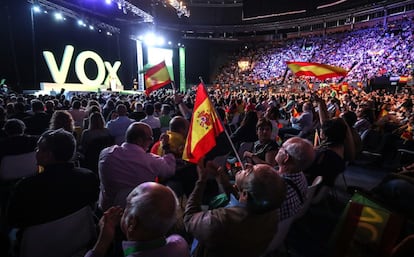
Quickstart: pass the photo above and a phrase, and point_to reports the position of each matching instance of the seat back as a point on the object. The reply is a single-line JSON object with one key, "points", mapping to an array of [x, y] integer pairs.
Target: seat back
{"points": [[18, 166], [310, 194], [321, 194], [93, 151], [121, 196], [63, 237], [282, 231], [372, 141], [245, 146]]}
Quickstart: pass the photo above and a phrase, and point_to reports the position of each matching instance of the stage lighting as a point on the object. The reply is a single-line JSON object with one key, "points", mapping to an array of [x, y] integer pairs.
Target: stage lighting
{"points": [[150, 39], [108, 1], [36, 9], [81, 23], [59, 16], [169, 43], [180, 8], [91, 27], [160, 41]]}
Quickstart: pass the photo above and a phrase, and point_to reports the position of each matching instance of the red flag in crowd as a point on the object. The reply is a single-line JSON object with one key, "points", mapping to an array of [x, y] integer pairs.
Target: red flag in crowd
{"points": [[318, 70], [156, 77], [205, 126]]}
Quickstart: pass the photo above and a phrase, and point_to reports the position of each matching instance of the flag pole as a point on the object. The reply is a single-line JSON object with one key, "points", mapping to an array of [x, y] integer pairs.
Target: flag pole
{"points": [[350, 69], [284, 76], [222, 124], [173, 86]]}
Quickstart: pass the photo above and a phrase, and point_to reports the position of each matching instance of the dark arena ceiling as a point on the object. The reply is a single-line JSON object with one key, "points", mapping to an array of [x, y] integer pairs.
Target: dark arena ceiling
{"points": [[209, 16]]}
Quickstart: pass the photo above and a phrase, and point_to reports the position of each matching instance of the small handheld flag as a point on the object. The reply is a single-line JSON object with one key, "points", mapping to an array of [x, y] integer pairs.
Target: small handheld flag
{"points": [[205, 126], [156, 77]]}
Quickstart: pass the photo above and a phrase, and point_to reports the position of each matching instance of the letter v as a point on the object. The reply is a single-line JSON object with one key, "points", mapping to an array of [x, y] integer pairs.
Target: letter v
{"points": [[59, 75]]}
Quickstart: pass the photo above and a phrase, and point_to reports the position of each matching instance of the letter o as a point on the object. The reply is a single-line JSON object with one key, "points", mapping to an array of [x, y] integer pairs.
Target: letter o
{"points": [[80, 68]]}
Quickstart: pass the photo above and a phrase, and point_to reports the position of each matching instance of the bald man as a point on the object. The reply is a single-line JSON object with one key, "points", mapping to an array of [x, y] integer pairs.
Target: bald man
{"points": [[295, 155], [122, 168], [150, 212]]}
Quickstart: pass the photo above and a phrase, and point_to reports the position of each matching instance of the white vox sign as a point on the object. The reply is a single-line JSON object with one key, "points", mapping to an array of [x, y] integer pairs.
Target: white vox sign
{"points": [[59, 74]]}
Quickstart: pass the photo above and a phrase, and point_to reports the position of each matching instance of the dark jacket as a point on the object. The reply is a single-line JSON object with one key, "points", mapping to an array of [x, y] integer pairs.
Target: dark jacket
{"points": [[56, 192]]}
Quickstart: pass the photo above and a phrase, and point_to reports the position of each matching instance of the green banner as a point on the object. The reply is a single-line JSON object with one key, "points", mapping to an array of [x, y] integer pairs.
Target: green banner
{"points": [[182, 69], [366, 229]]}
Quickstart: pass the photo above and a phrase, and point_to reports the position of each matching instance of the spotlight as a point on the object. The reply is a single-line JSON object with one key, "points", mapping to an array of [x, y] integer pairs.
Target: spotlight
{"points": [[36, 9], [59, 16], [160, 40], [91, 27], [150, 39], [169, 43], [108, 2]]}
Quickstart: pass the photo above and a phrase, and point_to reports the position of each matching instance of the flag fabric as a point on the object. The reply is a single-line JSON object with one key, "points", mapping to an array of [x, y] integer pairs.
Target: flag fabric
{"points": [[205, 126], [156, 77], [295, 113], [382, 113], [318, 70], [366, 228]]}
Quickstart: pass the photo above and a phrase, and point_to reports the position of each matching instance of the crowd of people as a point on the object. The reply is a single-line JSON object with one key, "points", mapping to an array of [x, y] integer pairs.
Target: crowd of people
{"points": [[122, 153], [366, 53]]}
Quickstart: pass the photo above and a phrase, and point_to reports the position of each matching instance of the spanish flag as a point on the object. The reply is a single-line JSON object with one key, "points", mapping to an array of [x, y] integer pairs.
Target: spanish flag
{"points": [[156, 77], [295, 113], [205, 126], [382, 113], [318, 70]]}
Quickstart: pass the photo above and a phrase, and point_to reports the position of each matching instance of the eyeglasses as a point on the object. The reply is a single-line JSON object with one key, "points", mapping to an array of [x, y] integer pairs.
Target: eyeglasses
{"points": [[285, 150]]}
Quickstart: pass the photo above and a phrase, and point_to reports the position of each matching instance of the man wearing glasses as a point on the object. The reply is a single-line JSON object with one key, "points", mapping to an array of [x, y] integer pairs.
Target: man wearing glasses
{"points": [[295, 155], [243, 229]]}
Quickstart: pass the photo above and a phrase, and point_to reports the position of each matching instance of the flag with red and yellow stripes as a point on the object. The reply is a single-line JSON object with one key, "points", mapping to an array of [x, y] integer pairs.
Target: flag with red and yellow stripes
{"points": [[295, 113], [156, 77], [205, 126], [318, 70]]}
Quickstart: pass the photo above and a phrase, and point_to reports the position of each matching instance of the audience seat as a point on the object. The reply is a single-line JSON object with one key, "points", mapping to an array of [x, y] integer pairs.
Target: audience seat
{"points": [[91, 155], [13, 167], [310, 194], [371, 143], [245, 146], [64, 237], [121, 196], [277, 241]]}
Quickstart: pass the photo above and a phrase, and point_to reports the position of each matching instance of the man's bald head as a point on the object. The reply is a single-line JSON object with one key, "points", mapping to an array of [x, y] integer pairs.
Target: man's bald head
{"points": [[265, 188], [138, 133], [180, 125], [151, 208]]}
